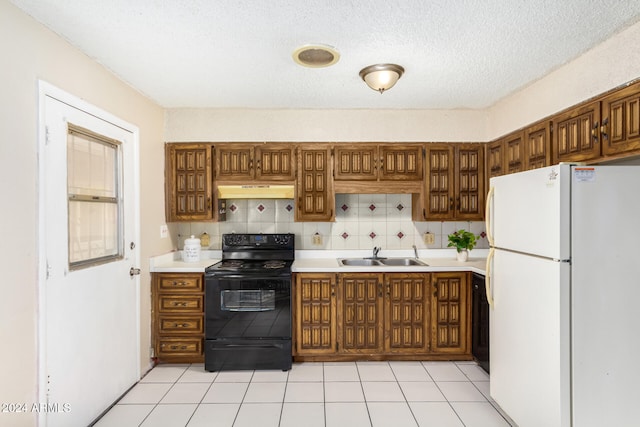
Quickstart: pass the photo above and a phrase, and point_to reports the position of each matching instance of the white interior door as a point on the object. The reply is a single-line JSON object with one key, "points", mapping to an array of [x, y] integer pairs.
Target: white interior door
{"points": [[90, 303]]}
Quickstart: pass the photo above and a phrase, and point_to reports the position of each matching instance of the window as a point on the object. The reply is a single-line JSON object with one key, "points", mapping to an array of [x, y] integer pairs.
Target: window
{"points": [[93, 188]]}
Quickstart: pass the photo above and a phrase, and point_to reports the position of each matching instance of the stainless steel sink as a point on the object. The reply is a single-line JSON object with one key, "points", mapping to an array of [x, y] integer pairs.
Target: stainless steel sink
{"points": [[402, 261], [360, 262], [381, 262]]}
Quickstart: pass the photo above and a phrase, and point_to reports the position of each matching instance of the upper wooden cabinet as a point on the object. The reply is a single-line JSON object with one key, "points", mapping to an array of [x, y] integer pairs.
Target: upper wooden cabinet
{"points": [[537, 145], [495, 159], [356, 162], [188, 182], [454, 186], [400, 162], [576, 134], [620, 130], [506, 155], [314, 187], [378, 168], [249, 162], [372, 162], [514, 152]]}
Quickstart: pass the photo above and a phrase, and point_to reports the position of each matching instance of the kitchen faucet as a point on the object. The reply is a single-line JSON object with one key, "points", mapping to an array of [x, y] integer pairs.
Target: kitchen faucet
{"points": [[415, 252], [376, 249]]}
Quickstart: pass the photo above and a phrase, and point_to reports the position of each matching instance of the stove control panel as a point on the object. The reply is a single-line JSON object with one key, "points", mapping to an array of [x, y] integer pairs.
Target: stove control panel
{"points": [[257, 240]]}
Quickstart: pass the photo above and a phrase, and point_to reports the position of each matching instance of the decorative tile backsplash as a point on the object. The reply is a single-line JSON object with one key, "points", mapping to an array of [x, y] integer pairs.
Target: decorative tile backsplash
{"points": [[362, 222]]}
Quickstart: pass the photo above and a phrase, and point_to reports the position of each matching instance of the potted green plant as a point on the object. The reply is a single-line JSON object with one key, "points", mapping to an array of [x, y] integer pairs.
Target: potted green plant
{"points": [[463, 241]]}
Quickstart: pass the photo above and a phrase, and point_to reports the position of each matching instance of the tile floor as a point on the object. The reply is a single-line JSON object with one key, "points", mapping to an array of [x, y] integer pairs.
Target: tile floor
{"points": [[353, 394]]}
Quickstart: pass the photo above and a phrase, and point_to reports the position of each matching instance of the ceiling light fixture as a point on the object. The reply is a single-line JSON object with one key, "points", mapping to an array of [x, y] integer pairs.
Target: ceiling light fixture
{"points": [[316, 55], [381, 77]]}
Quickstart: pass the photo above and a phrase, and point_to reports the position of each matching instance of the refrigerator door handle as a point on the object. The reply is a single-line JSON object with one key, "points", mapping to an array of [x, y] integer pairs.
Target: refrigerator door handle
{"points": [[488, 277], [487, 215]]}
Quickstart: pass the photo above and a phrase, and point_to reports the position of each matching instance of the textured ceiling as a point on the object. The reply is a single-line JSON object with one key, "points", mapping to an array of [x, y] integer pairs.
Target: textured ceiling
{"points": [[237, 53]]}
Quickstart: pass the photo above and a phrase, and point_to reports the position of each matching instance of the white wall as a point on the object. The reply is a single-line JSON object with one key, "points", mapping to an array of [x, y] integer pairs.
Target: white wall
{"points": [[31, 52], [609, 65], [188, 124]]}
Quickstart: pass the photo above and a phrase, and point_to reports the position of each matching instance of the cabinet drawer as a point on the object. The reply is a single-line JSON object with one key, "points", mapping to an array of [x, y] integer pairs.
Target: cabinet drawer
{"points": [[179, 347], [180, 283], [180, 325], [180, 303]]}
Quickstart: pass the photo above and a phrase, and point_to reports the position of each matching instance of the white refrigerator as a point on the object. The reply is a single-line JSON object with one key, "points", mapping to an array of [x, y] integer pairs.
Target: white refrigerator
{"points": [[563, 280]]}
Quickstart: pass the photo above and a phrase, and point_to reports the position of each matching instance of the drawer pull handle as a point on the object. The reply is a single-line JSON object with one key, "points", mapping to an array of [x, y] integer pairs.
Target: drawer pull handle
{"points": [[178, 347], [179, 283], [179, 304], [180, 325], [175, 347]]}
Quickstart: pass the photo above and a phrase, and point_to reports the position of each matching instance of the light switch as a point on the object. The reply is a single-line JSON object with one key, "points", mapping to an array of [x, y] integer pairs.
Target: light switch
{"points": [[164, 231]]}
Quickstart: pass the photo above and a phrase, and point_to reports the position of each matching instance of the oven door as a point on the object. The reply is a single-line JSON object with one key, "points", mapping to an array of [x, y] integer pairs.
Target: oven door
{"points": [[247, 307]]}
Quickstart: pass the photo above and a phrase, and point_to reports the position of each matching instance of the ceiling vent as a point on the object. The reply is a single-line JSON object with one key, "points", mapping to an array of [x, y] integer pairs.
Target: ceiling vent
{"points": [[316, 55]]}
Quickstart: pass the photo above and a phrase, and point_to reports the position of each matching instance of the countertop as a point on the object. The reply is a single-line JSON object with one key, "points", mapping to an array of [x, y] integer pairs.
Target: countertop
{"points": [[171, 262], [326, 261]]}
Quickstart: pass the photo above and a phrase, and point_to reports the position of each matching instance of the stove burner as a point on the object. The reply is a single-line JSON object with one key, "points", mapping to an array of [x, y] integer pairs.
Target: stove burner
{"points": [[231, 264], [274, 264]]}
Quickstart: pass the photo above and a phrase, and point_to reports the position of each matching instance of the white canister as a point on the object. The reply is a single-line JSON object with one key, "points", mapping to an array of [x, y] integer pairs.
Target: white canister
{"points": [[191, 251]]}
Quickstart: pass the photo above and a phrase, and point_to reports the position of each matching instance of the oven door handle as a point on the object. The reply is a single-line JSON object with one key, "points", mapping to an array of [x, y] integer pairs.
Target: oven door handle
{"points": [[248, 346]]}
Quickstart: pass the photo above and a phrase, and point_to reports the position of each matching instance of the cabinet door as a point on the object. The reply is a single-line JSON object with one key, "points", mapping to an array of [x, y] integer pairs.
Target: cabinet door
{"points": [[356, 163], [360, 313], [315, 314], [621, 121], [537, 139], [469, 173], [576, 134], [450, 310], [495, 158], [188, 182], [514, 152], [406, 313], [315, 186], [234, 162], [274, 162], [440, 168], [400, 162]]}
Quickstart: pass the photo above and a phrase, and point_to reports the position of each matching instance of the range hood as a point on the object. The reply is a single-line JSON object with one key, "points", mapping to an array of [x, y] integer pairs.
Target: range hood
{"points": [[255, 191]]}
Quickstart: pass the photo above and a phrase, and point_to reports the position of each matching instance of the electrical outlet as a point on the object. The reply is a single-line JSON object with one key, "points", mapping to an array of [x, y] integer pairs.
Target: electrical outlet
{"points": [[317, 239], [429, 238], [164, 231]]}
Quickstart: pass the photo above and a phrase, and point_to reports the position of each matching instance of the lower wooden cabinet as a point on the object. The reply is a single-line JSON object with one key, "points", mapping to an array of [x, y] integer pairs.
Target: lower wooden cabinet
{"points": [[178, 317], [450, 313], [376, 316]]}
